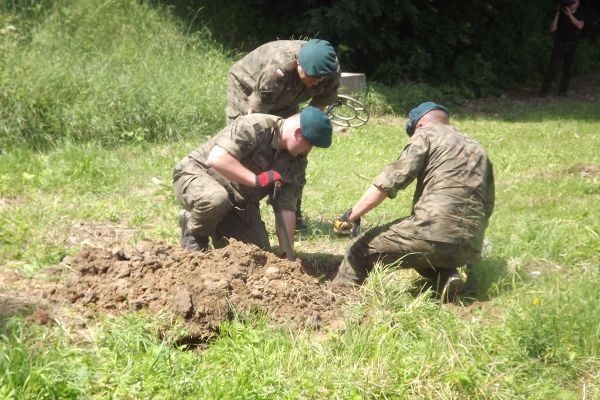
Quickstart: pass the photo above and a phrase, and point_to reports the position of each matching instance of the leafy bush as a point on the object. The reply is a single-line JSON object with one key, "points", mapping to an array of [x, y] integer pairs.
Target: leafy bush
{"points": [[479, 46]]}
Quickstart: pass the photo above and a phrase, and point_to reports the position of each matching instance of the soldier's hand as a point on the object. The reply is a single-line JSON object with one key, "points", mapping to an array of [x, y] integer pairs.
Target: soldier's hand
{"points": [[343, 226], [267, 178]]}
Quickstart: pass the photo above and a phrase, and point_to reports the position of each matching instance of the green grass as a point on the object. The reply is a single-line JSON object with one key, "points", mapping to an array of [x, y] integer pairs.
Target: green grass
{"points": [[542, 347], [93, 117], [133, 77]]}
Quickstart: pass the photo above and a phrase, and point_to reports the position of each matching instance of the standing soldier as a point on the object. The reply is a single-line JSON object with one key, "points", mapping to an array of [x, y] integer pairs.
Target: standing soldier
{"points": [[277, 77], [452, 204], [220, 184]]}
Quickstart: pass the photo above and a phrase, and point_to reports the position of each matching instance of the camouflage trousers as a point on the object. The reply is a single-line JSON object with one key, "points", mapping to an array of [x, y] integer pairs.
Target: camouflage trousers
{"points": [[388, 244], [214, 215]]}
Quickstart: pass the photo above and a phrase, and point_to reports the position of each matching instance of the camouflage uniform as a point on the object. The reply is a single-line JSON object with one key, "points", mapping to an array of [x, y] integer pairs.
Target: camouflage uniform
{"points": [[452, 204], [223, 209], [266, 80]]}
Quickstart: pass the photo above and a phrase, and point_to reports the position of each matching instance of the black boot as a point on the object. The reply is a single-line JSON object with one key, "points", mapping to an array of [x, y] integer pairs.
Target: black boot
{"points": [[469, 289], [300, 223], [189, 241], [445, 282], [449, 285]]}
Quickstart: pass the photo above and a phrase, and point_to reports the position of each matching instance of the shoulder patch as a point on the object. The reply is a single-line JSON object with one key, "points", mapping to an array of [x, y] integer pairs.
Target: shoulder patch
{"points": [[279, 73], [258, 128]]}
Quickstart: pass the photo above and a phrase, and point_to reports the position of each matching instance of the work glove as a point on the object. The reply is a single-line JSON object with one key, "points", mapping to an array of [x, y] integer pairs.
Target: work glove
{"points": [[267, 178], [342, 226]]}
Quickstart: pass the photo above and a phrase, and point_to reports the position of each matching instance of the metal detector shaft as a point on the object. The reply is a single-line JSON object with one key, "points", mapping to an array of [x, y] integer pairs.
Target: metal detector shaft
{"points": [[287, 245]]}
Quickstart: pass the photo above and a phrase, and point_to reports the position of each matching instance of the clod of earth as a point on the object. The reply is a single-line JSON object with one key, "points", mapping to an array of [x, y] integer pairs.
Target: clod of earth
{"points": [[204, 289]]}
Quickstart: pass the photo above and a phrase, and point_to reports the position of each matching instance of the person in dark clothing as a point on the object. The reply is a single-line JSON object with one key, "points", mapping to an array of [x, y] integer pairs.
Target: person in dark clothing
{"points": [[566, 26]]}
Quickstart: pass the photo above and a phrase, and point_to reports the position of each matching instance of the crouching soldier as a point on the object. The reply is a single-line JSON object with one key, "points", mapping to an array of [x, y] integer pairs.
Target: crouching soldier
{"points": [[452, 204], [219, 185]]}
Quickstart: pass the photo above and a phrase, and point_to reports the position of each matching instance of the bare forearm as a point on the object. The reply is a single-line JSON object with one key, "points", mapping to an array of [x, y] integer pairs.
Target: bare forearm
{"points": [[554, 24], [289, 218], [369, 200], [577, 23], [230, 167], [574, 21]]}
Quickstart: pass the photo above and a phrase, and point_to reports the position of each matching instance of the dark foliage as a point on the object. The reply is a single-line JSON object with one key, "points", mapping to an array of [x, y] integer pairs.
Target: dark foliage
{"points": [[478, 45]]}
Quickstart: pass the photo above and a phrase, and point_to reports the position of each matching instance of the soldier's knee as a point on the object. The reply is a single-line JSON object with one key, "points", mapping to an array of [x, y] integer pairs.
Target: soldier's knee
{"points": [[211, 206], [350, 274], [218, 199]]}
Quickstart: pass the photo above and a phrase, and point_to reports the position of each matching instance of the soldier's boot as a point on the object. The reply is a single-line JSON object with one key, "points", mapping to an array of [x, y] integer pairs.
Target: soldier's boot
{"points": [[449, 284], [469, 289], [300, 223], [189, 241]]}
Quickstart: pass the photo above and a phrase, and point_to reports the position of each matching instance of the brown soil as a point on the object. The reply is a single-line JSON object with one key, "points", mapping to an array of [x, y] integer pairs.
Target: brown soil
{"points": [[203, 289], [584, 87], [590, 171]]}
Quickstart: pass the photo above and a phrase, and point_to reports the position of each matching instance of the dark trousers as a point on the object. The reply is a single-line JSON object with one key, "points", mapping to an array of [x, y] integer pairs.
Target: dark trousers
{"points": [[564, 51]]}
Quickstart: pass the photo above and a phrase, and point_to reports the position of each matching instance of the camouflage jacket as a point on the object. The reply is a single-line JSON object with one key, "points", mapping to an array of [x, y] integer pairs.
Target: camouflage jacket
{"points": [[253, 140], [266, 80], [455, 193]]}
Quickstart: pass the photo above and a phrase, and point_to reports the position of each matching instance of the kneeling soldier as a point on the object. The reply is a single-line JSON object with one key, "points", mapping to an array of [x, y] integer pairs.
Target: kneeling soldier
{"points": [[452, 204]]}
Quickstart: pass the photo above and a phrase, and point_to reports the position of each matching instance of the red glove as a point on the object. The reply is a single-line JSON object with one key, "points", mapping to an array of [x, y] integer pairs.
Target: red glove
{"points": [[267, 178]]}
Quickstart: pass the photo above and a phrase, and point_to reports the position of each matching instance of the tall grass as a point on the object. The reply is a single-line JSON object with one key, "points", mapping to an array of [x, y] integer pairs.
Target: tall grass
{"points": [[110, 71]]}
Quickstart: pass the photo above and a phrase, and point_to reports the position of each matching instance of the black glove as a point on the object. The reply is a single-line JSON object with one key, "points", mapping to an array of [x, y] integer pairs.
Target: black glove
{"points": [[342, 226]]}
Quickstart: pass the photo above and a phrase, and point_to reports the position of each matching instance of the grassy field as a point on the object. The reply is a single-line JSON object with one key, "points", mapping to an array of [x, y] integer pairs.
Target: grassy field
{"points": [[94, 116]]}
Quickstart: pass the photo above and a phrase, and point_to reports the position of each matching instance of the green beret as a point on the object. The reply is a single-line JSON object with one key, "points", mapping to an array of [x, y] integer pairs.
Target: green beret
{"points": [[317, 58], [418, 112], [316, 127]]}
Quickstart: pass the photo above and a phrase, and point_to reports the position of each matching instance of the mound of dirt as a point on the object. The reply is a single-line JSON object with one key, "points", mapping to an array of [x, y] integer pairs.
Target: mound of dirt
{"points": [[204, 289]]}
